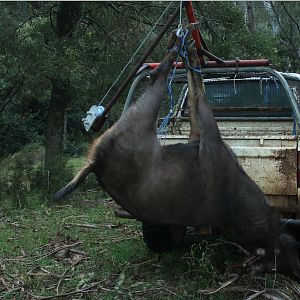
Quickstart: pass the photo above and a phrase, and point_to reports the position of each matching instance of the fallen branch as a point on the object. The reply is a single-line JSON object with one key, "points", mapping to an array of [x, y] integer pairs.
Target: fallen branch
{"points": [[293, 287], [18, 259], [78, 252], [233, 244], [88, 289], [225, 284], [93, 225], [273, 297], [43, 272], [251, 261], [17, 225], [76, 217], [59, 249], [255, 295], [63, 296], [43, 246], [82, 225], [4, 283], [145, 262], [144, 291], [265, 293], [117, 241], [66, 271]]}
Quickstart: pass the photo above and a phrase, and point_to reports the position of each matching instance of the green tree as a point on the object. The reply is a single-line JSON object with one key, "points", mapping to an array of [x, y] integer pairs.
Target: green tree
{"points": [[67, 18], [286, 24], [49, 68]]}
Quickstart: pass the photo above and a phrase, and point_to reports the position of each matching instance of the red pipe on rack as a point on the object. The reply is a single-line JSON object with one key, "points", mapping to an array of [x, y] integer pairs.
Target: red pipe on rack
{"points": [[214, 64], [196, 31]]}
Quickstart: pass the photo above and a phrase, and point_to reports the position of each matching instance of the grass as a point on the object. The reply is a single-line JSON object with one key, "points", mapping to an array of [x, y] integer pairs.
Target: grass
{"points": [[79, 250], [108, 259], [76, 163]]}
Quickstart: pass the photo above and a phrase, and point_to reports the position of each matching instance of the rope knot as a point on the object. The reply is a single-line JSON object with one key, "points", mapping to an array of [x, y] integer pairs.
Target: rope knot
{"points": [[175, 49]]}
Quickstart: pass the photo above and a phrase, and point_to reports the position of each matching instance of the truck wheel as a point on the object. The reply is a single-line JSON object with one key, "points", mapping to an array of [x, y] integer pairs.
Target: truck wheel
{"points": [[162, 238]]}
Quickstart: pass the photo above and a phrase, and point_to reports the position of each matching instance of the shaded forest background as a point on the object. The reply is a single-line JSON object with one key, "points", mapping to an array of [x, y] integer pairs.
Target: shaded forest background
{"points": [[59, 58]]}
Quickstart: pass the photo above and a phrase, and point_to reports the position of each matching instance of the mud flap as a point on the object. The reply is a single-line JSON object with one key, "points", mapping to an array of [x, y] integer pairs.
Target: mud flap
{"points": [[162, 238]]}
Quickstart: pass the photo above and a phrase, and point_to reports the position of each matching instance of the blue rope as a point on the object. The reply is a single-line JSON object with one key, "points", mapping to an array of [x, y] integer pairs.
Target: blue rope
{"points": [[294, 132], [276, 84], [166, 120], [267, 93], [182, 34], [184, 53]]}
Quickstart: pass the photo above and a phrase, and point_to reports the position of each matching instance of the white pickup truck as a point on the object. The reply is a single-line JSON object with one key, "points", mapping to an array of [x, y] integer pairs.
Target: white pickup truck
{"points": [[258, 114]]}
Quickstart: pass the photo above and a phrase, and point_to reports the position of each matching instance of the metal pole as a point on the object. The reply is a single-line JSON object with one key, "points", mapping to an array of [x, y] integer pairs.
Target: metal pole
{"points": [[196, 32], [100, 121]]}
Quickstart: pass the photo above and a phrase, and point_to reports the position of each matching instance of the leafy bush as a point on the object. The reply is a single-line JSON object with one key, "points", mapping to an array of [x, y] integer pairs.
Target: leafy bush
{"points": [[22, 176], [17, 184], [21, 124]]}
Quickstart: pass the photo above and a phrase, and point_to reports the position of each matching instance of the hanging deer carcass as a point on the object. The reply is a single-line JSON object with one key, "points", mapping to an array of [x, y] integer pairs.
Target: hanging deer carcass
{"points": [[195, 184]]}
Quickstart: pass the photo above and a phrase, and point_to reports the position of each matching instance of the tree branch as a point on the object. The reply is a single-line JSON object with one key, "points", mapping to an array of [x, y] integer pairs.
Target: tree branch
{"points": [[28, 19], [282, 29], [11, 92], [116, 9], [50, 17], [93, 21], [291, 17]]}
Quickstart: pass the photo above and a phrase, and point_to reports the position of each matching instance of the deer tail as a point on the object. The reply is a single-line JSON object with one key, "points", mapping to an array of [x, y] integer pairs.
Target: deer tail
{"points": [[77, 180]]}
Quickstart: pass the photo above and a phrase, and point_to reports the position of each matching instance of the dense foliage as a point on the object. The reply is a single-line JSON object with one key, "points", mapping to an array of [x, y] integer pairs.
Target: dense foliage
{"points": [[104, 36], [59, 58]]}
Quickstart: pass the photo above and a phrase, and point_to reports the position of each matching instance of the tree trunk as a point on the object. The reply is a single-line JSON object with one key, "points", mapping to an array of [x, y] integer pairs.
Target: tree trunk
{"points": [[68, 15], [250, 16], [55, 125], [65, 129]]}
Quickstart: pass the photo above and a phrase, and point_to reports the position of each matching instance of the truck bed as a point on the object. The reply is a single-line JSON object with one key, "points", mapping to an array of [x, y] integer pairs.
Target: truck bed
{"points": [[267, 150]]}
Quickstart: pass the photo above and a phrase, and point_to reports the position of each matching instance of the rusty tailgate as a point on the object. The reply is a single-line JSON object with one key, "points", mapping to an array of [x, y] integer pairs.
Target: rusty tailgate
{"points": [[266, 150], [273, 168]]}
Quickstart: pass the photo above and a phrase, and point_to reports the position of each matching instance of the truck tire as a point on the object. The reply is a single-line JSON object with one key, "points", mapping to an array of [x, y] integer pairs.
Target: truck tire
{"points": [[159, 238]]}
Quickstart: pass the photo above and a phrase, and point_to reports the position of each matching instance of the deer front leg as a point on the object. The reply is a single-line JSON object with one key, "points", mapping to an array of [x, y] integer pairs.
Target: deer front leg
{"points": [[147, 108]]}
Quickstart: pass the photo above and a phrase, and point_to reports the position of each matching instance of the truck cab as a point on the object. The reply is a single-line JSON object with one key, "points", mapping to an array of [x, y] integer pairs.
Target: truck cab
{"points": [[257, 111]]}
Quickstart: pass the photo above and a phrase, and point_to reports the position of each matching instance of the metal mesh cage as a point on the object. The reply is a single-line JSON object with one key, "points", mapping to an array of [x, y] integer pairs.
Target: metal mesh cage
{"points": [[253, 93], [244, 97], [229, 97]]}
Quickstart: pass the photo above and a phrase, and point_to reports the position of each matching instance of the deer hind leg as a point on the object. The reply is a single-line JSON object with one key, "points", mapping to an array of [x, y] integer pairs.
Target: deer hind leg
{"points": [[195, 130], [203, 123]]}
